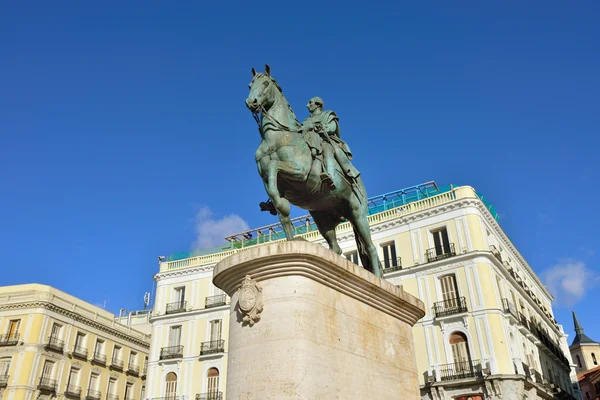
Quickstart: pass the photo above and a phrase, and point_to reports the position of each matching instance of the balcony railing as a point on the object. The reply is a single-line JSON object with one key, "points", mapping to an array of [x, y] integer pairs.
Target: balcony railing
{"points": [[496, 252], [460, 370], [212, 347], [392, 264], [165, 398], [168, 353], [112, 397], [449, 307], [133, 369], [99, 358], [3, 381], [80, 352], [93, 395], [215, 301], [176, 307], [115, 363], [55, 344], [9, 340], [440, 253], [214, 395], [510, 308], [73, 391], [47, 385]]}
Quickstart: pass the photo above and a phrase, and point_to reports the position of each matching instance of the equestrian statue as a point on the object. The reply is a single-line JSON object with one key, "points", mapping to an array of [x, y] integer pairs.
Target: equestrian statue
{"points": [[309, 166]]}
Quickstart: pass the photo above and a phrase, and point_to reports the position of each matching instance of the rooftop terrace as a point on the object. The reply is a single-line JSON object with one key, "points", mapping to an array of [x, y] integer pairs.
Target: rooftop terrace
{"points": [[381, 207]]}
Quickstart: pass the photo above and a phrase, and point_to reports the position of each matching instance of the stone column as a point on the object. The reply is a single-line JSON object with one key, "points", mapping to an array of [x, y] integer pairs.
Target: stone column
{"points": [[306, 323]]}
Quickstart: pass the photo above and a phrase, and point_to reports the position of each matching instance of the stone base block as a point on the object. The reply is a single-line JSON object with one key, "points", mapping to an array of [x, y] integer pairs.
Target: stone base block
{"points": [[306, 323]]}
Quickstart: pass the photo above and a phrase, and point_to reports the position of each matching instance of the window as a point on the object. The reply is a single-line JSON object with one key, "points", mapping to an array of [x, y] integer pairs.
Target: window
{"points": [[587, 395], [175, 336], [578, 361], [129, 391], [4, 367], [99, 348], [171, 386], [48, 370], [143, 393], [112, 389], [133, 358], [460, 350], [213, 382], [449, 290], [594, 359], [80, 340], [215, 330], [13, 329], [352, 256], [73, 378], [179, 295], [94, 381], [116, 353], [55, 332], [499, 285], [389, 255], [441, 242]]}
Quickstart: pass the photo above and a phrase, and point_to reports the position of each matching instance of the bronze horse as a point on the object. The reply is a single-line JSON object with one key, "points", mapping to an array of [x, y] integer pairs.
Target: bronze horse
{"points": [[291, 174]]}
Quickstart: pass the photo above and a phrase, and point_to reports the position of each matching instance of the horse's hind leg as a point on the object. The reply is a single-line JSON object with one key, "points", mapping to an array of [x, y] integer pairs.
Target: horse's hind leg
{"points": [[326, 224], [364, 243]]}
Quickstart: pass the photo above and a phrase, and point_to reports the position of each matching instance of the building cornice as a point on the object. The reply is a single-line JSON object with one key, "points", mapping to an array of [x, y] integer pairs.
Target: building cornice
{"points": [[76, 317]]}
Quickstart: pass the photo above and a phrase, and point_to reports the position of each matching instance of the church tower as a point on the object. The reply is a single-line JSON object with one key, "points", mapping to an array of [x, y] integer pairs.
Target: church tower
{"points": [[584, 351]]}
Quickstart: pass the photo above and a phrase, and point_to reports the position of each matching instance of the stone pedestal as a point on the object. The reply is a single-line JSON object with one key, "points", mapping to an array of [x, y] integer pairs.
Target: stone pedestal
{"points": [[306, 323]]}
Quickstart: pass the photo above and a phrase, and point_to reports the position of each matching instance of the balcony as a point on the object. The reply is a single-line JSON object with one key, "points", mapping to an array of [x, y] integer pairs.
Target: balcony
{"points": [[173, 397], [460, 370], [133, 369], [439, 253], [115, 363], [9, 340], [99, 358], [80, 352], [3, 381], [392, 264], [215, 301], [93, 395], [55, 344], [450, 307], [509, 308], [47, 385], [214, 395], [73, 391], [112, 397], [212, 347], [169, 353], [176, 307]]}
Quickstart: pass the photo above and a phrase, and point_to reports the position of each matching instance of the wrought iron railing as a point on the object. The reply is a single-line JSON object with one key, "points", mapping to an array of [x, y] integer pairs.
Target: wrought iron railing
{"points": [[9, 340], [99, 358], [116, 363], [212, 395], [3, 380], [80, 352], [47, 384], [392, 264], [449, 307], [510, 308], [460, 370], [167, 353], [133, 369], [93, 394], [440, 253], [165, 398], [55, 344], [212, 347], [176, 307], [73, 391], [215, 301]]}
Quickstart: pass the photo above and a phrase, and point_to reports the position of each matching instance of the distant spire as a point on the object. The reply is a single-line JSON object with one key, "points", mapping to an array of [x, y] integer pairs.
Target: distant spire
{"points": [[580, 337]]}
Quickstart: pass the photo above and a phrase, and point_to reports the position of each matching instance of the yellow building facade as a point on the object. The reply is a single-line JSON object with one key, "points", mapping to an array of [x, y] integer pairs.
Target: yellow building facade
{"points": [[488, 333], [54, 345]]}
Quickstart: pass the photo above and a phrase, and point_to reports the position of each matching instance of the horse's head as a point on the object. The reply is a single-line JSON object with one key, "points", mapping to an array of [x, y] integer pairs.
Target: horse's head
{"points": [[263, 91]]}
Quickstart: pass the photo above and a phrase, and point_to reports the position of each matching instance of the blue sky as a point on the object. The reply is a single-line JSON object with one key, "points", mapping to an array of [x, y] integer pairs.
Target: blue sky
{"points": [[124, 134]]}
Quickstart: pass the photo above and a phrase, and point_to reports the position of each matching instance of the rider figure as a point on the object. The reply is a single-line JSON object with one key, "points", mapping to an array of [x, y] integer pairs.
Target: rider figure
{"points": [[322, 132]]}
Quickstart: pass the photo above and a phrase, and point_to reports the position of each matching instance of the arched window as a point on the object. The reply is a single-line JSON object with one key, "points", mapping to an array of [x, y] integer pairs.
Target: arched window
{"points": [[460, 349], [213, 384], [594, 359], [171, 386], [578, 361]]}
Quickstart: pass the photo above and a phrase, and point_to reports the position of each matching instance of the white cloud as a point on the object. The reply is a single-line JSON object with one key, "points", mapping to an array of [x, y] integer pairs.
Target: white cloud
{"points": [[569, 281], [211, 232]]}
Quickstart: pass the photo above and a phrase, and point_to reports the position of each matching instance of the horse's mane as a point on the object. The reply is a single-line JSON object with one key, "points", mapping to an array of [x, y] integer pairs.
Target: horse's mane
{"points": [[274, 81]]}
